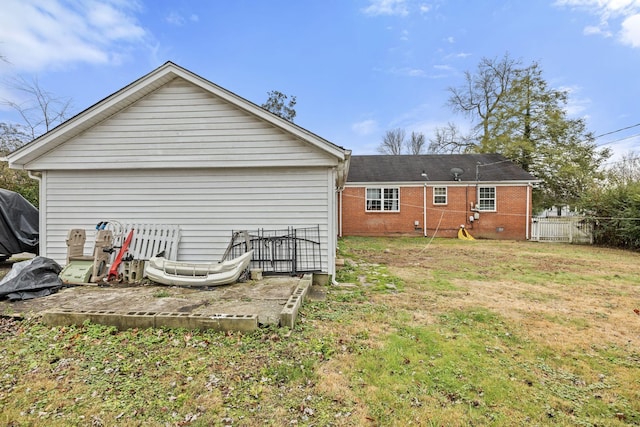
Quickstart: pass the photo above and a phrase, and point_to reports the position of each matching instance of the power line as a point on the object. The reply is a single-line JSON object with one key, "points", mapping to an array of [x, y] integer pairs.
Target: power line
{"points": [[618, 140], [616, 131]]}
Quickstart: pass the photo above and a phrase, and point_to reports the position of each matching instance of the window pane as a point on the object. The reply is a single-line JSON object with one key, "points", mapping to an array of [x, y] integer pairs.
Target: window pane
{"points": [[373, 193], [390, 199], [383, 199], [374, 196], [487, 198], [440, 195]]}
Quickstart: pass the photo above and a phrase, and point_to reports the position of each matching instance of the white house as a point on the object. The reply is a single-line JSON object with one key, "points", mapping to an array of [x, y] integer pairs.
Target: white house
{"points": [[174, 148]]}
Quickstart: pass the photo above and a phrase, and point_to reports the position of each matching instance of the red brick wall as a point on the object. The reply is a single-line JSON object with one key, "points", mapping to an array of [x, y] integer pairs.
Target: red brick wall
{"points": [[508, 222]]}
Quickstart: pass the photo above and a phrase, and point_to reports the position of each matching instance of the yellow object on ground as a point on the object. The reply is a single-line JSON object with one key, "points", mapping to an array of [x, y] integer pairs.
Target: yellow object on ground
{"points": [[463, 234]]}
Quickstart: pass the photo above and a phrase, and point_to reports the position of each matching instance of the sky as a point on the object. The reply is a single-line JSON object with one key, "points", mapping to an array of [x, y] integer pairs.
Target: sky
{"points": [[358, 68]]}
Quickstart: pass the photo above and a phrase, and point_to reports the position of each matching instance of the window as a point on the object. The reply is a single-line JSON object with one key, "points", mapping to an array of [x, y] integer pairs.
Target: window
{"points": [[487, 198], [383, 199], [439, 195]]}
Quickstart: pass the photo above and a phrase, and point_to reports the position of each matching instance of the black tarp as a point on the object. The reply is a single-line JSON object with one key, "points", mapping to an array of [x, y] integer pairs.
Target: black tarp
{"points": [[37, 277], [18, 224]]}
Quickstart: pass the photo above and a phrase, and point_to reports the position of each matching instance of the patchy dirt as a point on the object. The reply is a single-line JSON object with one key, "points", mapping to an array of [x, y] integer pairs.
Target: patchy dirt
{"points": [[266, 298], [574, 296]]}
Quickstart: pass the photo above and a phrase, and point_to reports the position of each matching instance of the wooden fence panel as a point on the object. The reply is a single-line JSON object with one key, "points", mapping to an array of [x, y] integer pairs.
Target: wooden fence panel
{"points": [[562, 229], [150, 239]]}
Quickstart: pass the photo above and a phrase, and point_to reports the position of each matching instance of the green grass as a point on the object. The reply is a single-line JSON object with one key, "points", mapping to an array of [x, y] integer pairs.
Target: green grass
{"points": [[446, 333]]}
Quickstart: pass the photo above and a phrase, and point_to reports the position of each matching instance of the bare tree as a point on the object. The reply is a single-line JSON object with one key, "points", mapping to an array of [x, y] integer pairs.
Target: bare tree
{"points": [[42, 111], [449, 140], [416, 143], [625, 171], [11, 137], [392, 142], [483, 92]]}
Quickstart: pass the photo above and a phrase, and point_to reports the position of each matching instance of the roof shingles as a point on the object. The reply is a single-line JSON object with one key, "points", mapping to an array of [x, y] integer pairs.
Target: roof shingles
{"points": [[438, 167]]}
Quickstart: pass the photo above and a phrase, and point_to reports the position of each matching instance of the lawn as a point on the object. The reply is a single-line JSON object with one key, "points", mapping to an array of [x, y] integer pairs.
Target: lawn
{"points": [[422, 332]]}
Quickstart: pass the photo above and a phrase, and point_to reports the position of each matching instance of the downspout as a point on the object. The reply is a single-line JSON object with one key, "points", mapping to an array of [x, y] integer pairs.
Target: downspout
{"points": [[529, 189], [340, 212], [38, 177], [424, 210], [341, 171], [339, 190]]}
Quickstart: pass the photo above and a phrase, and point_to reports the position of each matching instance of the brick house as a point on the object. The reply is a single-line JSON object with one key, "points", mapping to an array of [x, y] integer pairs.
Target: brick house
{"points": [[428, 195]]}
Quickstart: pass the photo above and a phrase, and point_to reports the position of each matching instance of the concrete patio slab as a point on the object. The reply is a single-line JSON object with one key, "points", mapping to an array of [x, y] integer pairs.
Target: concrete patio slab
{"points": [[262, 302]]}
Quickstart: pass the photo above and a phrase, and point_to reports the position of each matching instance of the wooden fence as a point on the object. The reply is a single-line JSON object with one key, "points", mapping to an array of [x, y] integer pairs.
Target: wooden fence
{"points": [[572, 229], [149, 239]]}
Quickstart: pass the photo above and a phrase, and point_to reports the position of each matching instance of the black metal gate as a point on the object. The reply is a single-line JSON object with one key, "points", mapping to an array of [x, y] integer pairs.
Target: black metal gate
{"points": [[291, 251]]}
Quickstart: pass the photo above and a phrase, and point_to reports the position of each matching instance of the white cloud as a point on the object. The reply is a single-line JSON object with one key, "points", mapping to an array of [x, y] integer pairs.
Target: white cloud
{"points": [[424, 8], [443, 67], [365, 127], [458, 55], [36, 35], [630, 33], [175, 18], [408, 72], [576, 105], [387, 7], [591, 30], [620, 17]]}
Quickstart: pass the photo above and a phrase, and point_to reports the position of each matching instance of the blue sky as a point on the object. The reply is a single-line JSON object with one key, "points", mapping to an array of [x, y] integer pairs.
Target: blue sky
{"points": [[357, 67]]}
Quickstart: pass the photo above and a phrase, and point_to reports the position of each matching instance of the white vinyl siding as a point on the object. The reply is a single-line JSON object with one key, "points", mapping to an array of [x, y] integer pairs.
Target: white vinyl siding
{"points": [[181, 125], [207, 204]]}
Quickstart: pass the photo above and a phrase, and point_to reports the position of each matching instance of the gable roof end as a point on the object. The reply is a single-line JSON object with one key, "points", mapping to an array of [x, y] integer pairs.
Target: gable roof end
{"points": [[142, 87]]}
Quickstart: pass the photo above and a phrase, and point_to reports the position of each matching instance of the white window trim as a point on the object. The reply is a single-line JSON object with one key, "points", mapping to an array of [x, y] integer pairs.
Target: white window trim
{"points": [[446, 195], [495, 199], [382, 210]]}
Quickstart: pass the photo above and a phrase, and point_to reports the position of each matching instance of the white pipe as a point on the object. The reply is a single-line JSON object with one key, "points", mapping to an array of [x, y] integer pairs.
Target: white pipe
{"points": [[424, 210], [529, 187], [42, 212], [340, 215]]}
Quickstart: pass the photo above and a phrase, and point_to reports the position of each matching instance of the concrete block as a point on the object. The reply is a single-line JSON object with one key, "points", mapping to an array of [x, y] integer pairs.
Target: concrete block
{"points": [[289, 313], [133, 271], [128, 320], [225, 322], [321, 279], [173, 320], [256, 274], [144, 319], [62, 317]]}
